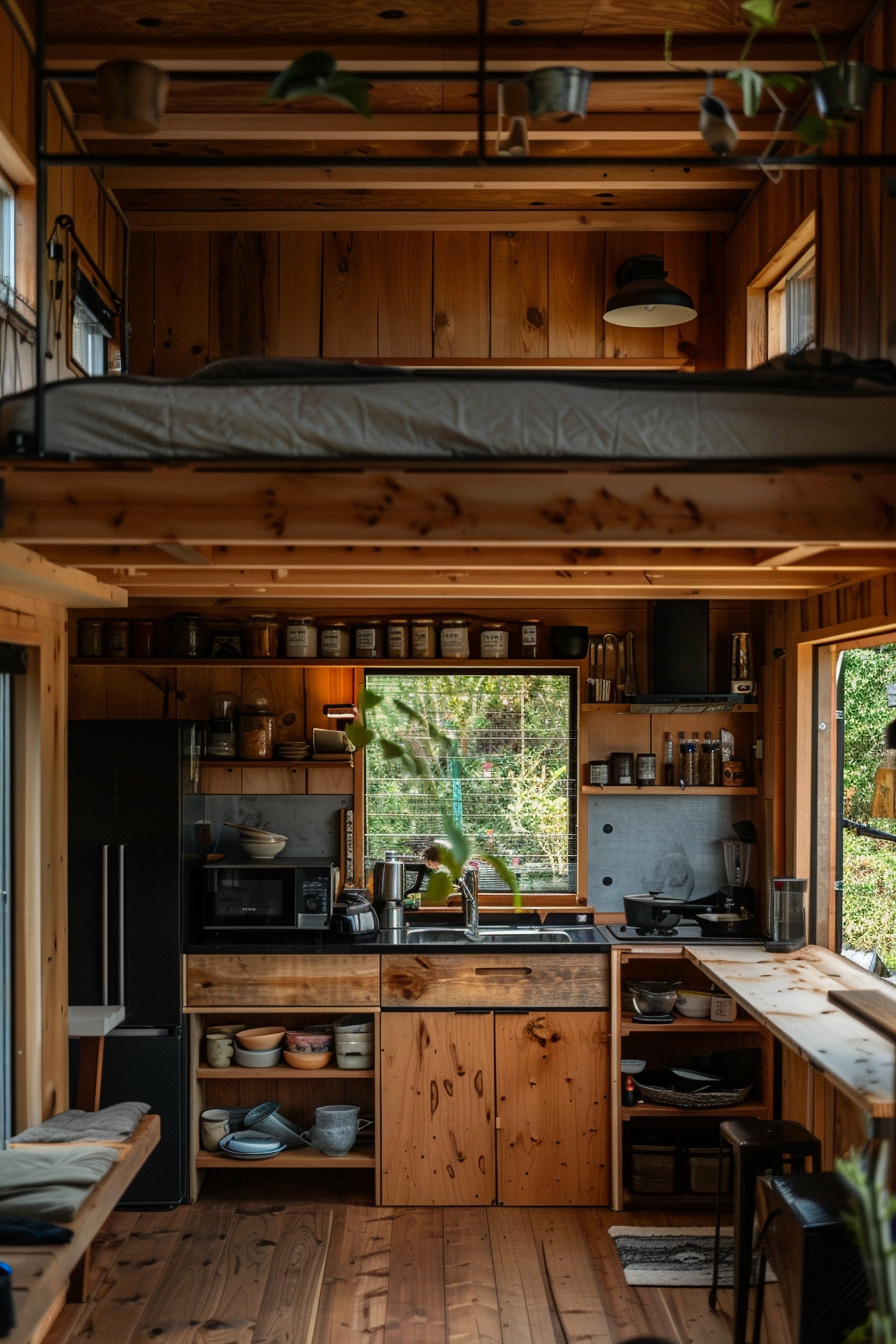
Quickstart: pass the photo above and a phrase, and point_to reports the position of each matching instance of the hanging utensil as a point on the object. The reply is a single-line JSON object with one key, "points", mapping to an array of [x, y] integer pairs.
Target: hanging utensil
{"points": [[631, 680], [603, 689], [592, 667], [611, 645]]}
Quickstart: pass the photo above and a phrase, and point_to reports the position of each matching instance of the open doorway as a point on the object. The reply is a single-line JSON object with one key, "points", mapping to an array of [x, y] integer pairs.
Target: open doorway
{"points": [[867, 844]]}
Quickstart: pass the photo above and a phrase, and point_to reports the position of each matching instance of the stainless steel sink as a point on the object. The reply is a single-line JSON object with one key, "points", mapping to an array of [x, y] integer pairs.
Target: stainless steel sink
{"points": [[526, 933]]}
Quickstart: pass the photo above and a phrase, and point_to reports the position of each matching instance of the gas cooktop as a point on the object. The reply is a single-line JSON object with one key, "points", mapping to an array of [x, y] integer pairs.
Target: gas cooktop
{"points": [[687, 931]]}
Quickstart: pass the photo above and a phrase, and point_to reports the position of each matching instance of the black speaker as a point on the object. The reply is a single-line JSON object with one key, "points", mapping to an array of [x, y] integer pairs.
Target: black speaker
{"points": [[681, 648]]}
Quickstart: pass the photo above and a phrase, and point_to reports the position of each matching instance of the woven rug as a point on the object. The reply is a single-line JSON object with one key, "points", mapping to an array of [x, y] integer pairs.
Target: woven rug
{"points": [[676, 1257]]}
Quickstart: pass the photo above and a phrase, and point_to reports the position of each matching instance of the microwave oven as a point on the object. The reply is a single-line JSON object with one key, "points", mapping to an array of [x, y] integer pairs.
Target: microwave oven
{"points": [[268, 895]]}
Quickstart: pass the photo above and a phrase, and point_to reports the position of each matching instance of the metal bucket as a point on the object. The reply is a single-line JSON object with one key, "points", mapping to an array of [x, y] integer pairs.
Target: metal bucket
{"points": [[844, 90], [558, 88]]}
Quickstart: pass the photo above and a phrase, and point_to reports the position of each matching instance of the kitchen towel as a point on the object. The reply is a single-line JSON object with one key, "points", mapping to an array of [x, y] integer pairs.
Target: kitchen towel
{"points": [[50, 1184], [110, 1125]]}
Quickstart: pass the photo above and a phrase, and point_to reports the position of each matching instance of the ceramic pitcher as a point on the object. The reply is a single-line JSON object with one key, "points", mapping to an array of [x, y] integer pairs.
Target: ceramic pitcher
{"points": [[335, 1129]]}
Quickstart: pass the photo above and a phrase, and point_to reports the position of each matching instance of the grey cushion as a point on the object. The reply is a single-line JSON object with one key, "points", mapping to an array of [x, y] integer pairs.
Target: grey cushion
{"points": [[52, 1183], [110, 1125]]}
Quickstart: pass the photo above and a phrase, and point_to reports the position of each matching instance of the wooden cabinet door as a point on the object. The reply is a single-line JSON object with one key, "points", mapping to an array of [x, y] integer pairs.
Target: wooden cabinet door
{"points": [[552, 1073], [437, 1114]]}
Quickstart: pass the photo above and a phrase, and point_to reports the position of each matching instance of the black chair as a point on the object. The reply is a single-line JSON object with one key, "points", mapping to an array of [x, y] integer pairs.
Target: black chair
{"points": [[757, 1147]]}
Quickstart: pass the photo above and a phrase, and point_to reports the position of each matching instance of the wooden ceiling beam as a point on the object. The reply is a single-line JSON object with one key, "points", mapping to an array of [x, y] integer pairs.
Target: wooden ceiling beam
{"points": [[636, 127], [371, 175], [586, 504], [478, 221]]}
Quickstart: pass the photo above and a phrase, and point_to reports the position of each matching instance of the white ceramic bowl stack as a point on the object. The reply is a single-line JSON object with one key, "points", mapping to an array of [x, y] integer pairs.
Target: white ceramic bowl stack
{"points": [[354, 1042]]}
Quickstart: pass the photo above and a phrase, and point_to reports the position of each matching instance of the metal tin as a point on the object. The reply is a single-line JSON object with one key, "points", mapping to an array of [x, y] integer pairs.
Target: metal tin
{"points": [[622, 767], [335, 640], [397, 637], [186, 634], [454, 637], [90, 639], [118, 639], [599, 772], [143, 639], [645, 769], [733, 775], [423, 637], [301, 637], [369, 639], [262, 633], [494, 640], [530, 632]]}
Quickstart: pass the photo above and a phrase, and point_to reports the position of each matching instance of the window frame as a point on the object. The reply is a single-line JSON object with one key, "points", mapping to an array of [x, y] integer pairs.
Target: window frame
{"points": [[7, 242], [765, 294], [574, 827]]}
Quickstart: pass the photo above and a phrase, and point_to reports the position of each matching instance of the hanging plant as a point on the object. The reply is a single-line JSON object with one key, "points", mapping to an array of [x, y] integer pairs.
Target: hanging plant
{"points": [[315, 75]]}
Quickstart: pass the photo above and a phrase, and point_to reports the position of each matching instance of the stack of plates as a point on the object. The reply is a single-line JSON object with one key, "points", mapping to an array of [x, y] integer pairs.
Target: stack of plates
{"points": [[293, 751]]}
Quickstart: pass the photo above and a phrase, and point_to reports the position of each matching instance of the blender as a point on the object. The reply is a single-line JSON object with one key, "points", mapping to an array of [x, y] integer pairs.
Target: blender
{"points": [[737, 892]]}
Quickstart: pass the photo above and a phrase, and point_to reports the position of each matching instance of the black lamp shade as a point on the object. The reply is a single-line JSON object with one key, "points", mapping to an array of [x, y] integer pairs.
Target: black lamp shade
{"points": [[644, 298]]}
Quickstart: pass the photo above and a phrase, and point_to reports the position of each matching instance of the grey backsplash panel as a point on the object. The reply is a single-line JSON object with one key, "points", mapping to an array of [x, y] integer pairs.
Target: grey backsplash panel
{"points": [[311, 821], [650, 843]]}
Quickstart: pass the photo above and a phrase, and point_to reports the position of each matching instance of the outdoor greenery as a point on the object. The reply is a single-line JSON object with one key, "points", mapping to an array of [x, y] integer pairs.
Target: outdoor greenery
{"points": [[482, 756], [869, 865]]}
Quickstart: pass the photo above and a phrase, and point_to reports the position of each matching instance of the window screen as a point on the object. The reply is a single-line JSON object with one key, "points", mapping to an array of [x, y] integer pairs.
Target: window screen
{"points": [[508, 782], [7, 243], [799, 306]]}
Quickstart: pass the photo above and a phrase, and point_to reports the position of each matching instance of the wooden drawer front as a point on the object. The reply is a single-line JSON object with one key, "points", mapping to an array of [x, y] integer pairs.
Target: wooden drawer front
{"points": [[500, 980], [219, 981]]}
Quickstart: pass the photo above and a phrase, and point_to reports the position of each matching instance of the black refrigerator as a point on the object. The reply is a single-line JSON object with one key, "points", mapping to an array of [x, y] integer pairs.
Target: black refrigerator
{"points": [[126, 925]]}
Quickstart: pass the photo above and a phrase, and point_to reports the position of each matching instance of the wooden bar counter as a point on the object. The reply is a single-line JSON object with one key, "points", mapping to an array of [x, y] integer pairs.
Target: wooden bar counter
{"points": [[788, 994]]}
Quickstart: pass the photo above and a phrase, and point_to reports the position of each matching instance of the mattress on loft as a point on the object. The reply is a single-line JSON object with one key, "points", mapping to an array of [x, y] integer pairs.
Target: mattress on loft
{"points": [[311, 410]]}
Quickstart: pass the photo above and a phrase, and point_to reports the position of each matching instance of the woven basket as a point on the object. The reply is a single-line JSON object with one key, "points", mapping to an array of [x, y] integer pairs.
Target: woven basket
{"points": [[694, 1101]]}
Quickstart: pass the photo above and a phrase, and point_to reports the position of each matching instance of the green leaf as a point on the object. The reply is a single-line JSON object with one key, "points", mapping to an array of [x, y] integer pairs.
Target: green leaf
{"points": [[392, 751], [761, 13], [822, 56], [315, 75], [458, 843], [447, 859], [811, 130], [751, 86], [788, 82], [438, 888], [667, 46], [350, 91], [506, 875], [368, 699], [358, 735]]}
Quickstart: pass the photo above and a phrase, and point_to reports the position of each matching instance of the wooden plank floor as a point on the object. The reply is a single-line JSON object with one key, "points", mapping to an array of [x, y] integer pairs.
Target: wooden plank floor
{"points": [[293, 1258]]}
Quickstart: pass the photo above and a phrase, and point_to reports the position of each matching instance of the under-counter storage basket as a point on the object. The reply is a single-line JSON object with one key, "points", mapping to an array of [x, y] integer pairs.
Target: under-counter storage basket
{"points": [[694, 1101], [653, 1168], [703, 1170]]}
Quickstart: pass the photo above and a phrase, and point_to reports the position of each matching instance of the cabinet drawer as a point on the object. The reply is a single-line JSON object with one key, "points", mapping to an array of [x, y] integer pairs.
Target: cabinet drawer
{"points": [[501, 980], [218, 981]]}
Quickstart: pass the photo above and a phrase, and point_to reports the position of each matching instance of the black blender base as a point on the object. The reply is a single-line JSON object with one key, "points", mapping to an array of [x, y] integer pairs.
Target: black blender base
{"points": [[789, 945]]}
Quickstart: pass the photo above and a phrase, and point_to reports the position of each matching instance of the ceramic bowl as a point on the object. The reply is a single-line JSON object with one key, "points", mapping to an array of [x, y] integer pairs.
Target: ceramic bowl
{"points": [[262, 849], [253, 1141], [311, 1044], [693, 1003], [265, 1119], [650, 1001], [257, 1059], [260, 1038], [357, 1026], [304, 1059], [362, 1043], [633, 1066]]}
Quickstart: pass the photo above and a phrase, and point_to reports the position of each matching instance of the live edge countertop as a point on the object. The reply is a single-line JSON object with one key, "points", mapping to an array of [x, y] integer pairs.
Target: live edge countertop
{"points": [[590, 939], [788, 993]]}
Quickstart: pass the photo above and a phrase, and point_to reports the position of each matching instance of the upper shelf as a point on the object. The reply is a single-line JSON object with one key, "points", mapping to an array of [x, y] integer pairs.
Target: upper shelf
{"points": [[673, 790], [669, 709], [373, 664]]}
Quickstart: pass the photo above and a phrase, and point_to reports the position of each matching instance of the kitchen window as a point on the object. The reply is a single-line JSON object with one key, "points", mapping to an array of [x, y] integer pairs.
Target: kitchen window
{"points": [[508, 782], [7, 243], [93, 325]]}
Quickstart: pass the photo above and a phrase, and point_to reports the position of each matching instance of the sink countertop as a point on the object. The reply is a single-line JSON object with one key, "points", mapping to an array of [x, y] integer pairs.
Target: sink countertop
{"points": [[590, 938]]}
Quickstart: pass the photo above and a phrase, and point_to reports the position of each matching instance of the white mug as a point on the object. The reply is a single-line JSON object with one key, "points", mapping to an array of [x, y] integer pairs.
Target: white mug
{"points": [[219, 1051], [213, 1126]]}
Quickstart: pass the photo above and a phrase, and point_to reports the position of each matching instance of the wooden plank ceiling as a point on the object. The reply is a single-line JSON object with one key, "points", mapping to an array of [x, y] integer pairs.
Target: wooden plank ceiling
{"points": [[431, 118]]}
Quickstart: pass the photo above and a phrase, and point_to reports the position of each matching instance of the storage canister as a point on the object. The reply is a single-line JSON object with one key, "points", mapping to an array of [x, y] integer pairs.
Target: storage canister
{"points": [[369, 639], [301, 637], [143, 639], [599, 772], [90, 639], [255, 729], [622, 766], [220, 741], [454, 637], [186, 634], [531, 638], [262, 635], [645, 769], [494, 641], [335, 640], [118, 638], [423, 637], [397, 637]]}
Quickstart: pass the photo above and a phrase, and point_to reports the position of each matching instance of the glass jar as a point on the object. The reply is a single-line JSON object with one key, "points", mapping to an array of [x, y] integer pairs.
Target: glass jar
{"points": [[90, 639], [220, 741], [335, 640], [645, 769], [711, 762], [262, 634], [369, 639], [255, 730], [186, 634], [454, 637], [622, 767], [690, 762], [494, 641], [531, 638], [599, 772], [223, 704], [143, 639], [301, 637], [118, 639], [423, 637], [397, 637]]}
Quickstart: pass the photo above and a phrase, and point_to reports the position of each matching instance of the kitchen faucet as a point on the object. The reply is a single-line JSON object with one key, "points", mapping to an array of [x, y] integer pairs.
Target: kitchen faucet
{"points": [[469, 886]]}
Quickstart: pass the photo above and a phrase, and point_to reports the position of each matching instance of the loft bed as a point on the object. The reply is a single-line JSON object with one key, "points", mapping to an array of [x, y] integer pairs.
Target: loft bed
{"points": [[801, 450]]}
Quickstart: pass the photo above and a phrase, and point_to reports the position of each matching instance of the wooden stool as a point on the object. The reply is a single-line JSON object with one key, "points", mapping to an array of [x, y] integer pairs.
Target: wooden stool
{"points": [[756, 1146]]}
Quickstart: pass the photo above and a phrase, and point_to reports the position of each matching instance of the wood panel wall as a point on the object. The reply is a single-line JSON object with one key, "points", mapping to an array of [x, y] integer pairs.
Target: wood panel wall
{"points": [[856, 230], [416, 295], [71, 191]]}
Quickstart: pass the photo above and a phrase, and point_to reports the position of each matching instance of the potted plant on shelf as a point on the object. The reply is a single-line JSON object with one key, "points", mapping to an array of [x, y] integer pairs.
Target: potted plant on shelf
{"points": [[316, 75]]}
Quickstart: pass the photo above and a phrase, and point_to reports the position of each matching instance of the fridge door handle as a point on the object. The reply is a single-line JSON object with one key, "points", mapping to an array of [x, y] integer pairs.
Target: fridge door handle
{"points": [[105, 915], [121, 990]]}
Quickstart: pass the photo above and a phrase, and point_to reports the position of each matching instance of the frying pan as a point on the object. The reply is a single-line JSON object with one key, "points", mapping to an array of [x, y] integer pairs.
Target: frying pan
{"points": [[726, 924]]}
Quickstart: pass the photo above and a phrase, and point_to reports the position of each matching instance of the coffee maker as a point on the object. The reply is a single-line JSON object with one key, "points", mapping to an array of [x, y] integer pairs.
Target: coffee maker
{"points": [[737, 893]]}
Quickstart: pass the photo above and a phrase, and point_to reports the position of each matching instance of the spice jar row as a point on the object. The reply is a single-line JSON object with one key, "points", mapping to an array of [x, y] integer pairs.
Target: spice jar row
{"points": [[188, 635], [688, 763]]}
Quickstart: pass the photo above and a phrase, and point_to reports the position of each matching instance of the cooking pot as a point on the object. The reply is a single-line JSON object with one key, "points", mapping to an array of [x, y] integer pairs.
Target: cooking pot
{"points": [[653, 910], [354, 917]]}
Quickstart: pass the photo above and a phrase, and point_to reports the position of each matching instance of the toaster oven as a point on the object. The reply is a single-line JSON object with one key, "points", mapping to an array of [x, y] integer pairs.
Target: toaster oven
{"points": [[268, 895]]}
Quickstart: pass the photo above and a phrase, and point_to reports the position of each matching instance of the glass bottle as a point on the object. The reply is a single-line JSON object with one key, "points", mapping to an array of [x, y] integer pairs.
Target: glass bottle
{"points": [[680, 758], [262, 633], [186, 634], [668, 763], [255, 728]]}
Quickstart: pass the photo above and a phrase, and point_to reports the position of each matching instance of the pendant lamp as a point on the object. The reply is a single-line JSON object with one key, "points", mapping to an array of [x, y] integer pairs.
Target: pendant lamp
{"points": [[644, 298]]}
